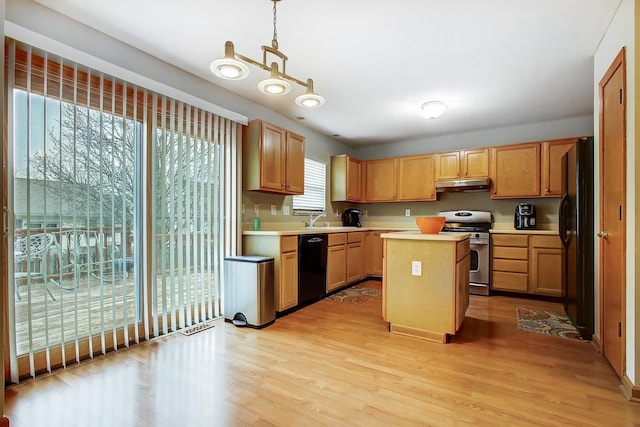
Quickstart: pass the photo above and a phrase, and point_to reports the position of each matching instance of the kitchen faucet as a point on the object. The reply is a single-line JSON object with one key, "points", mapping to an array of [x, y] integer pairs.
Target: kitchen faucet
{"points": [[313, 220]]}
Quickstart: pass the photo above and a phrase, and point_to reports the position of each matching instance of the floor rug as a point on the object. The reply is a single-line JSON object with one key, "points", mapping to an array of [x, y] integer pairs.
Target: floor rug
{"points": [[544, 322], [355, 295]]}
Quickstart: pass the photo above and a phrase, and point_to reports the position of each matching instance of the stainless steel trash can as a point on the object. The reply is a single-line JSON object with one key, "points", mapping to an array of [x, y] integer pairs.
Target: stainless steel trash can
{"points": [[248, 290]]}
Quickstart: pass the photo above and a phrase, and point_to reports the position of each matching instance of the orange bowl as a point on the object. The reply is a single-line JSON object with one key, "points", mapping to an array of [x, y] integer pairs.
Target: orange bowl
{"points": [[430, 224]]}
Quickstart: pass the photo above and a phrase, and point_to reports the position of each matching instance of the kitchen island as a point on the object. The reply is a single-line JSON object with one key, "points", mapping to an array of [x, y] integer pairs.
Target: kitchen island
{"points": [[425, 283]]}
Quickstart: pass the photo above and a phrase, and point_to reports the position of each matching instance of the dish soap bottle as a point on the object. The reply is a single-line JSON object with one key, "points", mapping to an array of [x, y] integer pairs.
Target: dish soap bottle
{"points": [[256, 223]]}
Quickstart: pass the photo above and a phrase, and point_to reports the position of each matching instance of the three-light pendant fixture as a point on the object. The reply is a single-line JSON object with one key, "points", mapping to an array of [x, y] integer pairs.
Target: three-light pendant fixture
{"points": [[233, 67]]}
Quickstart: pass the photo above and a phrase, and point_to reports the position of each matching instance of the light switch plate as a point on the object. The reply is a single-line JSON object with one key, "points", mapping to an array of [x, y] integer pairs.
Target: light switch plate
{"points": [[285, 210], [416, 268], [407, 212], [273, 209]]}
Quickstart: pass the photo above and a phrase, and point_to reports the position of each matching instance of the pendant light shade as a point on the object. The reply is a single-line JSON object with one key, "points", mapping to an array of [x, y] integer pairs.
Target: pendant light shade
{"points": [[309, 99], [229, 68], [274, 85]]}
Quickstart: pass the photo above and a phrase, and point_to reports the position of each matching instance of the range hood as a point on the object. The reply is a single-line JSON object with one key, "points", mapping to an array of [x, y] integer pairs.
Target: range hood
{"points": [[464, 184]]}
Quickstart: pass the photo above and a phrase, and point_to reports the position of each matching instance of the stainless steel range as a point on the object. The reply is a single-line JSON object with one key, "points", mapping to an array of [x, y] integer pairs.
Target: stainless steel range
{"points": [[478, 224]]}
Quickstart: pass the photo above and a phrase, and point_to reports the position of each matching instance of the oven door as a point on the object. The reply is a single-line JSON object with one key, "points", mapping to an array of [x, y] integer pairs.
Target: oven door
{"points": [[479, 270]]}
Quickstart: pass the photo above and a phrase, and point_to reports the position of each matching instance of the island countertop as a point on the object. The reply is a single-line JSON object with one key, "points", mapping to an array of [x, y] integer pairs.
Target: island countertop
{"points": [[417, 235]]}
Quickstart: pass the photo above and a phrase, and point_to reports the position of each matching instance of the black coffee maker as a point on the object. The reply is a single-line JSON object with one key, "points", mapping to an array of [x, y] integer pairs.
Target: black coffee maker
{"points": [[351, 218], [525, 217]]}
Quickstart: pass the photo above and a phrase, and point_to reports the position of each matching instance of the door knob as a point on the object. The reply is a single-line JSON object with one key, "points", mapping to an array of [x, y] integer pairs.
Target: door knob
{"points": [[603, 234]]}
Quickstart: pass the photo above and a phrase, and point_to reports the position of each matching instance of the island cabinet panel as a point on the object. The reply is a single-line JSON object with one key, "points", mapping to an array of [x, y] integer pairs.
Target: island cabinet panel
{"points": [[416, 178], [430, 303], [284, 250], [355, 256], [336, 261], [515, 171], [273, 159], [381, 180], [346, 179]]}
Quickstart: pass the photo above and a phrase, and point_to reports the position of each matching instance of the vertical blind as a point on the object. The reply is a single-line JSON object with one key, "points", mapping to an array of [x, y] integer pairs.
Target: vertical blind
{"points": [[315, 181], [126, 188]]}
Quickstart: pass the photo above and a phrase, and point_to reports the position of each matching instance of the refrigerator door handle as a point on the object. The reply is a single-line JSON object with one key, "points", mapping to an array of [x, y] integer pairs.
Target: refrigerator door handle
{"points": [[562, 219]]}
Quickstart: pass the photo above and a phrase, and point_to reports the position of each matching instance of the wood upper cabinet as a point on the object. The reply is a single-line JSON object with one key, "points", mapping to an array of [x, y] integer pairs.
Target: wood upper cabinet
{"points": [[552, 152], [273, 159], [472, 163], [381, 180], [515, 171], [416, 178], [346, 179]]}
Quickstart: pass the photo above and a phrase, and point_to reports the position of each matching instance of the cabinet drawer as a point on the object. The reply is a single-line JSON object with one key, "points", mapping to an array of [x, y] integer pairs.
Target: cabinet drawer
{"points": [[545, 242], [337, 239], [354, 237], [288, 243], [510, 253], [510, 281], [510, 265], [510, 240]]}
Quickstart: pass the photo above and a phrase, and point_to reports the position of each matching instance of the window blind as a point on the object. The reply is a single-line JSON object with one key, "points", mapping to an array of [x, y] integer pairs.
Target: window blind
{"points": [[315, 183]]}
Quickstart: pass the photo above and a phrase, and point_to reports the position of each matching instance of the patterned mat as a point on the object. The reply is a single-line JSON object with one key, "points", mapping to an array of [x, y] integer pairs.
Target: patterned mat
{"points": [[544, 322], [355, 295]]}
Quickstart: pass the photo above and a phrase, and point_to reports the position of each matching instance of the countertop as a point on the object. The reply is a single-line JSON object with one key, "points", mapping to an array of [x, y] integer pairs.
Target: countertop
{"points": [[318, 230], [514, 231], [417, 235]]}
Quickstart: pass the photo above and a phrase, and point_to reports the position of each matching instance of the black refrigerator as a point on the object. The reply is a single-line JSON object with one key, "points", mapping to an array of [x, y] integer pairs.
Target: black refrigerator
{"points": [[575, 224]]}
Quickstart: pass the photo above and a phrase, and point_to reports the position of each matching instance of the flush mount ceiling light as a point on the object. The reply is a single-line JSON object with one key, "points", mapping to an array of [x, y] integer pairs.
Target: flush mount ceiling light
{"points": [[433, 109], [232, 67]]}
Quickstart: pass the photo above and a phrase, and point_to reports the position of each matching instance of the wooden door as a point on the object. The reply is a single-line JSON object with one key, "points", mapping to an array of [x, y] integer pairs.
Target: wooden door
{"points": [[475, 163], [612, 211], [552, 152], [416, 178], [272, 158], [295, 163], [381, 181], [448, 165]]}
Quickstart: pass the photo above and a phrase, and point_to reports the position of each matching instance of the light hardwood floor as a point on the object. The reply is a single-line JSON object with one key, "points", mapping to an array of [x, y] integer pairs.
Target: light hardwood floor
{"points": [[335, 364]]}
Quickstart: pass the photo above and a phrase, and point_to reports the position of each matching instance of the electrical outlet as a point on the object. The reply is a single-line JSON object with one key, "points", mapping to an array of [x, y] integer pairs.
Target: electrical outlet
{"points": [[273, 209], [285, 210], [337, 213], [407, 212], [256, 209], [365, 213], [416, 268]]}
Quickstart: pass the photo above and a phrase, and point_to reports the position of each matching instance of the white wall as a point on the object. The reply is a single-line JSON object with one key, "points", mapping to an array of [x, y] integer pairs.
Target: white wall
{"points": [[621, 34]]}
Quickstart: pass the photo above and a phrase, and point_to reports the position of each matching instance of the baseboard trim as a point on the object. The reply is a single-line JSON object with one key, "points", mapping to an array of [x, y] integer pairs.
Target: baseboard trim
{"points": [[595, 341], [632, 392]]}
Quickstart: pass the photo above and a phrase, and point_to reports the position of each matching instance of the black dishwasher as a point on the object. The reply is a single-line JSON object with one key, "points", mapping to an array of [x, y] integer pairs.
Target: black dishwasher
{"points": [[312, 267]]}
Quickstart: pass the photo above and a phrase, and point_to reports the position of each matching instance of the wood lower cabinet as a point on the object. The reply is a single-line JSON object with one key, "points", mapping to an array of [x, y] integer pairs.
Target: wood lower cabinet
{"points": [[373, 247], [273, 159], [530, 264], [284, 250], [515, 171], [545, 265], [336, 261], [355, 256]]}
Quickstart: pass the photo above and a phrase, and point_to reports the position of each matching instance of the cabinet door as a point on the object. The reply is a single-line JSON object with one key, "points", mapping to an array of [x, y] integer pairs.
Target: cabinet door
{"points": [[355, 264], [377, 253], [381, 180], [475, 163], [272, 158], [416, 178], [552, 152], [288, 280], [515, 171], [368, 251], [462, 289], [354, 179], [545, 276], [294, 164], [336, 267], [448, 165]]}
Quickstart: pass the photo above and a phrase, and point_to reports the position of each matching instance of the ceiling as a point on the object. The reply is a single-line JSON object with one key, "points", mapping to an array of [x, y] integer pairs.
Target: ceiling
{"points": [[496, 63]]}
